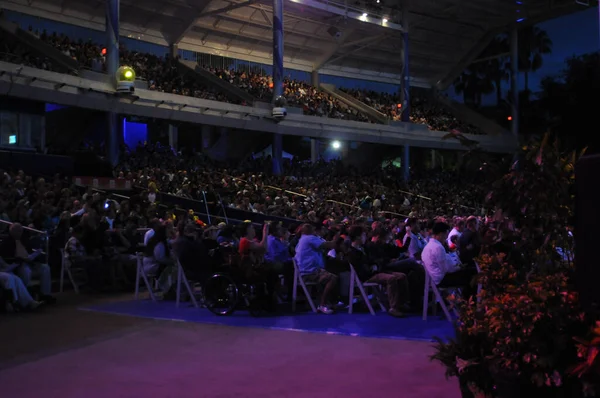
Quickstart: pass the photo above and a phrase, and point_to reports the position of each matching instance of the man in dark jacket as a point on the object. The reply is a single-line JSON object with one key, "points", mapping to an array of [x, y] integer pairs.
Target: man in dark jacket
{"points": [[395, 282], [469, 243]]}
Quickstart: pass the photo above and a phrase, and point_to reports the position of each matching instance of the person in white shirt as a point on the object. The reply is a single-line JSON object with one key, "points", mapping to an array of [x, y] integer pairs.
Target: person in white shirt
{"points": [[459, 226], [154, 224], [413, 239], [444, 268]]}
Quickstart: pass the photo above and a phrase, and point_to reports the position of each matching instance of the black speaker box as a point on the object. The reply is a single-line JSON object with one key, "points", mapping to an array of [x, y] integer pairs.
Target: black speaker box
{"points": [[587, 231]]}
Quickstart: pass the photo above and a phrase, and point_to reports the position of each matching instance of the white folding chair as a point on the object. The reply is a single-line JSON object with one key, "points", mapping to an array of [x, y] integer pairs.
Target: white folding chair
{"points": [[299, 280], [182, 278], [355, 282], [430, 286], [65, 267], [141, 273]]}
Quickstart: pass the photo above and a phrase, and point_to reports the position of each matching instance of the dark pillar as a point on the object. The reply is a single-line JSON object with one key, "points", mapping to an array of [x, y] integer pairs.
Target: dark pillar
{"points": [[277, 78], [173, 137], [514, 85], [314, 150], [406, 163], [405, 84], [112, 64]]}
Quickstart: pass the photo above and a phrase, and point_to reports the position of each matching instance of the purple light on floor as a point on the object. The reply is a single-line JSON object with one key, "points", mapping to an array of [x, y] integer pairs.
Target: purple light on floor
{"points": [[520, 19]]}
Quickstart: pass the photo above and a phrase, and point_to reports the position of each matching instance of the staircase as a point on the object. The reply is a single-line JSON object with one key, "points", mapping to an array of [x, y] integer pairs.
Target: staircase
{"points": [[468, 115], [354, 103], [203, 76], [59, 60]]}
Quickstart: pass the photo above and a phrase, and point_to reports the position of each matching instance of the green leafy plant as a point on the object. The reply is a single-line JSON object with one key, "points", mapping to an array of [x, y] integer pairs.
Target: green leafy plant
{"points": [[519, 332]]}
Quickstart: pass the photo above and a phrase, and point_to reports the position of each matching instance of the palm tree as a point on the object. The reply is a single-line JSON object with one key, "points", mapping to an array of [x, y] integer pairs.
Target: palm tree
{"points": [[497, 67], [534, 43], [473, 83]]}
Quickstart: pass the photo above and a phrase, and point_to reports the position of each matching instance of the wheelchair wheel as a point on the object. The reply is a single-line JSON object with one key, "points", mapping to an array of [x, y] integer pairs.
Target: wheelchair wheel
{"points": [[221, 294]]}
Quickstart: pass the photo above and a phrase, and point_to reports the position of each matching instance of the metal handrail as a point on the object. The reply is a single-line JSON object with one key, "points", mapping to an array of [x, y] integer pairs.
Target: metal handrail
{"points": [[44, 233]]}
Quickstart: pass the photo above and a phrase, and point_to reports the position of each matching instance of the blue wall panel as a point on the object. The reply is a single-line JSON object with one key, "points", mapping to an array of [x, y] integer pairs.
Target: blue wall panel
{"points": [[134, 133]]}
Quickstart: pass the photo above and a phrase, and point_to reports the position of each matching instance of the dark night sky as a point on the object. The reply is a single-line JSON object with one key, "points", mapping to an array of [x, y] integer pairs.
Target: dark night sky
{"points": [[573, 34]]}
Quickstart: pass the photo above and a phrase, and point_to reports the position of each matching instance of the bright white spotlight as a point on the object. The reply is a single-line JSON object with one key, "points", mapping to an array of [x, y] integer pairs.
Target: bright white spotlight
{"points": [[385, 21], [336, 145], [365, 15]]}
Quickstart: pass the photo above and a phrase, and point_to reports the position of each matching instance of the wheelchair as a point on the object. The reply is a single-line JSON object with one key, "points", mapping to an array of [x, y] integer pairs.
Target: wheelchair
{"points": [[232, 289]]}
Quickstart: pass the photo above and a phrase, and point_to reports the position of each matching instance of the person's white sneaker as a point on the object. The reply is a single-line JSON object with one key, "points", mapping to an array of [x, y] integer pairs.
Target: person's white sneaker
{"points": [[325, 310]]}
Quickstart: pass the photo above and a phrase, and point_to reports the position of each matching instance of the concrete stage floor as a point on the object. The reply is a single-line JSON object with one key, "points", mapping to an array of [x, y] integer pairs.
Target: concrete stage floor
{"points": [[63, 352]]}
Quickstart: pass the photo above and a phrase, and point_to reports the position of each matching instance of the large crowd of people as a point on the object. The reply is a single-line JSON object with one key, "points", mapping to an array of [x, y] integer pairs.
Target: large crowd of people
{"points": [[422, 110], [100, 236], [162, 74], [359, 215], [305, 190]]}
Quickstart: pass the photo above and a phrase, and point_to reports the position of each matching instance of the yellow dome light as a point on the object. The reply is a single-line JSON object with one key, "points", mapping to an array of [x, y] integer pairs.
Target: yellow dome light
{"points": [[125, 78]]}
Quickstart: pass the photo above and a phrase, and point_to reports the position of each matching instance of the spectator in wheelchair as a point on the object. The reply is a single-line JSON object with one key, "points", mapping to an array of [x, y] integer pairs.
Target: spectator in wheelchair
{"points": [[396, 283], [16, 251], [311, 263], [15, 293], [191, 252]]}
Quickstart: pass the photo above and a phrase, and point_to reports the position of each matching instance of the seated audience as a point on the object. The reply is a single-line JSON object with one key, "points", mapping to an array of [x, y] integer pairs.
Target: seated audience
{"points": [[310, 261], [445, 269], [395, 282], [15, 250]]}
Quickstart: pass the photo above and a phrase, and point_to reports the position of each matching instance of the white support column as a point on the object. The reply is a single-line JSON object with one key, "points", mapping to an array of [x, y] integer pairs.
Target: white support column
{"points": [[315, 78], [174, 50]]}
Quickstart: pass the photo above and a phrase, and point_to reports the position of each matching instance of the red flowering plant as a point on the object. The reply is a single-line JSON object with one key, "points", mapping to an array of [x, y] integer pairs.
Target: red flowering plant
{"points": [[517, 336], [587, 370]]}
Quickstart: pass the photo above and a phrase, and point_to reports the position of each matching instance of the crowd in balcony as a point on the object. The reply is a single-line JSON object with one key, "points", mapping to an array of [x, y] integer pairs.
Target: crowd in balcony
{"points": [[313, 101], [162, 74], [422, 110]]}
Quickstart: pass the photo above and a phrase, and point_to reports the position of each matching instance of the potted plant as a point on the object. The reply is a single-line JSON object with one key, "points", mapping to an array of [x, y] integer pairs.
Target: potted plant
{"points": [[516, 339]]}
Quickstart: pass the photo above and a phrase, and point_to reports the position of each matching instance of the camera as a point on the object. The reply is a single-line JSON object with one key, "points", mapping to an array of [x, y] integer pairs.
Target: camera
{"points": [[279, 111]]}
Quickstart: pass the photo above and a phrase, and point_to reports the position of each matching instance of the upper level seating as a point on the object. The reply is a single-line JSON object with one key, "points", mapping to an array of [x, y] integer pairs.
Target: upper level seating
{"points": [[423, 110], [300, 94], [13, 51], [162, 75]]}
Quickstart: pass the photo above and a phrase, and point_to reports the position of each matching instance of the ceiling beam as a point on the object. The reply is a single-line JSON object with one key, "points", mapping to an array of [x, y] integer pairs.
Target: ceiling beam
{"points": [[348, 12], [177, 36], [260, 24], [332, 49], [264, 39], [373, 41]]}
